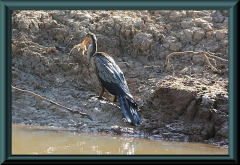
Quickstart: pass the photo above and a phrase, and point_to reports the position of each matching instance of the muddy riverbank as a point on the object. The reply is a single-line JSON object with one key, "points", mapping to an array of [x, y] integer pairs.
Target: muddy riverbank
{"points": [[188, 102]]}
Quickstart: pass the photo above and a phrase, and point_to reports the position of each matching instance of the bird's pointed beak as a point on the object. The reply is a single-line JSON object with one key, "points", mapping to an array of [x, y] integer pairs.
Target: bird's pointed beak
{"points": [[81, 46], [85, 41]]}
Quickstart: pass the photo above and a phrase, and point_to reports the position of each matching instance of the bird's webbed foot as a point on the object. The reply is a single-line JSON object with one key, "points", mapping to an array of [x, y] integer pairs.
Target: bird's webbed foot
{"points": [[114, 98], [101, 94]]}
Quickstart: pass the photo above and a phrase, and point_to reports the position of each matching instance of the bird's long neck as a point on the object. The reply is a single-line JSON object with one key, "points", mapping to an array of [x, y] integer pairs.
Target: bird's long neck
{"points": [[92, 49]]}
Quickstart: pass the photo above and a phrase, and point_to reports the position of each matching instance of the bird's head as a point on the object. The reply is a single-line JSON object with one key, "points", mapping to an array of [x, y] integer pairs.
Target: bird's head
{"points": [[86, 39], [82, 46]]}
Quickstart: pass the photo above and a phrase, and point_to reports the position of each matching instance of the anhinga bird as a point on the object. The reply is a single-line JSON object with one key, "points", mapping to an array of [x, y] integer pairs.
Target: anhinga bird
{"points": [[111, 78]]}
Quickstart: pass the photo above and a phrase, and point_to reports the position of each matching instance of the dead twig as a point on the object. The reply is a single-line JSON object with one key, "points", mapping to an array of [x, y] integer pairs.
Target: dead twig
{"points": [[50, 101], [212, 55], [203, 54]]}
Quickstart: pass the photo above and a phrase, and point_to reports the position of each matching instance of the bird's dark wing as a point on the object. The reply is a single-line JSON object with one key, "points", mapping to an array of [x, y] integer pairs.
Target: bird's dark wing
{"points": [[109, 72], [114, 81]]}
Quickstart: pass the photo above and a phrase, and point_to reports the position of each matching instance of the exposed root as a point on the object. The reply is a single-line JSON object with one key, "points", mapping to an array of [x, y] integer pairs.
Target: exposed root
{"points": [[205, 55], [50, 101]]}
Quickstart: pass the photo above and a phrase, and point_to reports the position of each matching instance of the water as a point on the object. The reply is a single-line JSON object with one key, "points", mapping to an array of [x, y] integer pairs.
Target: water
{"points": [[47, 140]]}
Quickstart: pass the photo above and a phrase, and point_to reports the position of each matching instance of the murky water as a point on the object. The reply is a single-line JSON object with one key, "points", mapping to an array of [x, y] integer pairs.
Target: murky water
{"points": [[46, 140]]}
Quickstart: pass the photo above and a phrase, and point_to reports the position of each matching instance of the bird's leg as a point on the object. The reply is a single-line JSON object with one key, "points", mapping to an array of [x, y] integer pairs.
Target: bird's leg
{"points": [[101, 93], [114, 98]]}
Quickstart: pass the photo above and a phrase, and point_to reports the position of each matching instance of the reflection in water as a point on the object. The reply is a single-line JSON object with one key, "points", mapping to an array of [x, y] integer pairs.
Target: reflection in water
{"points": [[47, 140]]}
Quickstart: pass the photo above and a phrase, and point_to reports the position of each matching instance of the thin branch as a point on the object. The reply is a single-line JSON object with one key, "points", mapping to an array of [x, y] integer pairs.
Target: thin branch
{"points": [[203, 54], [59, 105], [70, 40], [212, 55]]}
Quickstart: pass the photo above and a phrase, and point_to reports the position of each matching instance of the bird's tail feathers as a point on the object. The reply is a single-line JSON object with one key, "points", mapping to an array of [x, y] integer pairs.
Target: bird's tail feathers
{"points": [[129, 110]]}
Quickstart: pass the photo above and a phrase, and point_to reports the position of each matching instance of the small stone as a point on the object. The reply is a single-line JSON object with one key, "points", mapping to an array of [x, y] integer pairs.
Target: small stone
{"points": [[175, 47], [199, 34], [220, 35]]}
